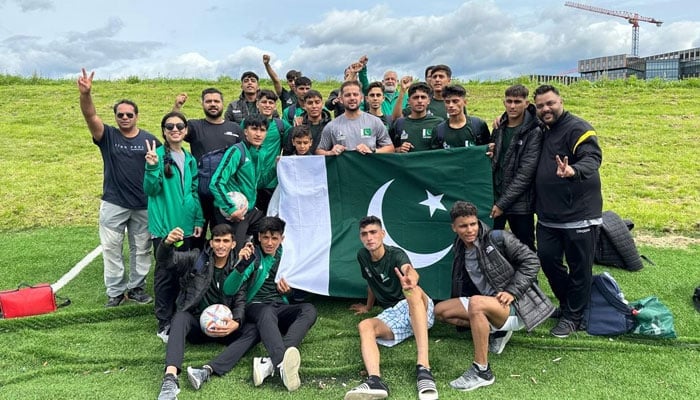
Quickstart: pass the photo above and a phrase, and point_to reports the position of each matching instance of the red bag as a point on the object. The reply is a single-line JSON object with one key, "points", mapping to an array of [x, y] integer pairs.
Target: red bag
{"points": [[28, 300]]}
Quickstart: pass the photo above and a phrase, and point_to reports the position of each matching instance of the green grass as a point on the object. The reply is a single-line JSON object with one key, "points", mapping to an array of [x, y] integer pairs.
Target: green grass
{"points": [[85, 349], [51, 183], [52, 173]]}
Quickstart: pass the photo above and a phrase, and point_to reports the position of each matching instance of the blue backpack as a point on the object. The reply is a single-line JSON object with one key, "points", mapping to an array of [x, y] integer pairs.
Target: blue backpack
{"points": [[607, 314]]}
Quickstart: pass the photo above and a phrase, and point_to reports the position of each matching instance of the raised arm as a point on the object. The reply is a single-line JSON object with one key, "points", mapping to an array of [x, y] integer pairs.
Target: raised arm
{"points": [[180, 100], [87, 107], [398, 107], [272, 74]]}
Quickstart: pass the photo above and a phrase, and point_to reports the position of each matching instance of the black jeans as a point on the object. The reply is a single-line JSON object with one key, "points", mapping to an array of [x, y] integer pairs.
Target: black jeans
{"points": [[571, 285], [166, 286], [185, 326], [281, 326]]}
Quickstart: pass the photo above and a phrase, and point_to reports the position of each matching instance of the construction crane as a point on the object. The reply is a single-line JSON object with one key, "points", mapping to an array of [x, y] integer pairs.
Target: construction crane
{"points": [[631, 17]]}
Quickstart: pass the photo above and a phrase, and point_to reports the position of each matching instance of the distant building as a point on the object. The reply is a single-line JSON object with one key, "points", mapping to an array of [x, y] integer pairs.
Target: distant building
{"points": [[668, 66]]}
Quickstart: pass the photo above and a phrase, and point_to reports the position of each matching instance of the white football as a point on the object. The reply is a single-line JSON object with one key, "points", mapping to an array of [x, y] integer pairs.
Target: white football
{"points": [[212, 316], [238, 199]]}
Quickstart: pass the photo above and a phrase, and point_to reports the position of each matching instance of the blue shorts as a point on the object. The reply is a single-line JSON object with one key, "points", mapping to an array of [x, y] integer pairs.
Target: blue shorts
{"points": [[399, 321]]}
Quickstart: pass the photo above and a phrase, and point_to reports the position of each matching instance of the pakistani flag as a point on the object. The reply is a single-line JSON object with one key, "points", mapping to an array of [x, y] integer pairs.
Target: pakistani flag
{"points": [[322, 199]]}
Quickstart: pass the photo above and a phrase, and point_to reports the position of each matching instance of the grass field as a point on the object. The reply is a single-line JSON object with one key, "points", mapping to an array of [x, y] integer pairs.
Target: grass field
{"points": [[51, 183]]}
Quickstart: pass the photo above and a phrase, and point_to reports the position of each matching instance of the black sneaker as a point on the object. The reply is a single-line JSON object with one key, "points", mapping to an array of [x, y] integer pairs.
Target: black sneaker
{"points": [[425, 384], [139, 295], [371, 389], [498, 340], [564, 328], [169, 388], [115, 301]]}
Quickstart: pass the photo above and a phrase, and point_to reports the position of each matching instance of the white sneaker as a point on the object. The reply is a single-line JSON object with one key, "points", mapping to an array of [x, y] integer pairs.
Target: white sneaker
{"points": [[262, 368], [289, 370], [164, 334]]}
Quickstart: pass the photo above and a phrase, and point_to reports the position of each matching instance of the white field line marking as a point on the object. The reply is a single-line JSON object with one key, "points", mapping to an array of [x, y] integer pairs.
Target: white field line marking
{"points": [[76, 269]]}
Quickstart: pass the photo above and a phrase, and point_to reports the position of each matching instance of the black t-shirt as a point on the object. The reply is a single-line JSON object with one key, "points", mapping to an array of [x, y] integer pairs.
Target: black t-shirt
{"points": [[124, 162], [203, 136]]}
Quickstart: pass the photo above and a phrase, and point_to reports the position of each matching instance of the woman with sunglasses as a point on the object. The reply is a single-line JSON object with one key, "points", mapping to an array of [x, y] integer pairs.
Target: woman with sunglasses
{"points": [[170, 182]]}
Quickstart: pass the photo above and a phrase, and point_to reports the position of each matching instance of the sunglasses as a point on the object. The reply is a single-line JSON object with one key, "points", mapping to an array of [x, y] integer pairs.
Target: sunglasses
{"points": [[171, 127], [128, 115]]}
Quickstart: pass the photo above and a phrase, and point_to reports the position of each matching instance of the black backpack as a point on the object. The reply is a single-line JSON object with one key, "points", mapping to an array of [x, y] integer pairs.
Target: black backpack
{"points": [[607, 314], [209, 162]]}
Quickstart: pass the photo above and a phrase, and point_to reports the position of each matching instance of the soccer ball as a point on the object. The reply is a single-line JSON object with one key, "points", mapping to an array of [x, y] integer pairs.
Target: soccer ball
{"points": [[213, 316], [238, 199]]}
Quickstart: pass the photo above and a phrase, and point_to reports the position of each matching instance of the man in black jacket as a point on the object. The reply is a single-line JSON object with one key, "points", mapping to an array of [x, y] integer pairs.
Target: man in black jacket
{"points": [[494, 291], [202, 275], [517, 146], [569, 206]]}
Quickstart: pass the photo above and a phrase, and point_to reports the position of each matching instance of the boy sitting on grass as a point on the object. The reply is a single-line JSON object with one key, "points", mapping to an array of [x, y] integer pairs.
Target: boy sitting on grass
{"points": [[408, 311], [282, 326]]}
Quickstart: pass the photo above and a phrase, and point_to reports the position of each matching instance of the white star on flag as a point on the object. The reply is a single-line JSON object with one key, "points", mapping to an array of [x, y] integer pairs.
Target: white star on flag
{"points": [[434, 202]]}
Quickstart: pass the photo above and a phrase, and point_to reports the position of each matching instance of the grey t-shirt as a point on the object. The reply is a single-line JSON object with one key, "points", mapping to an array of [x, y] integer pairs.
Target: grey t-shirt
{"points": [[471, 264], [366, 129]]}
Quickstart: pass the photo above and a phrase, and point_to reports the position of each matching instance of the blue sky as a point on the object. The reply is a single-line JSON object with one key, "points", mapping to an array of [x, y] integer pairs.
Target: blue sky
{"points": [[488, 39]]}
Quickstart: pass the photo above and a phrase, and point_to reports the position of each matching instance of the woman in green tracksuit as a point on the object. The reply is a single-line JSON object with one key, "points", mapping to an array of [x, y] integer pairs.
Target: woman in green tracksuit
{"points": [[170, 182]]}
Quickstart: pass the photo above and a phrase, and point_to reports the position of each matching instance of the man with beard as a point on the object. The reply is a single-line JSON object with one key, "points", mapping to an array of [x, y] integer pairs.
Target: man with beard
{"points": [[355, 129], [391, 95], [204, 136], [246, 104], [569, 206]]}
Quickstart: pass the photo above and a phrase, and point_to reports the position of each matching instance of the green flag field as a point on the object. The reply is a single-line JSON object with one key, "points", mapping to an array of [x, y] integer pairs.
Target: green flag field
{"points": [[51, 181]]}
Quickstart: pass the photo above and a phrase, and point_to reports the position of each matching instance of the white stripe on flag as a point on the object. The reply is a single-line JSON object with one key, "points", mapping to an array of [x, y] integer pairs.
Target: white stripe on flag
{"points": [[304, 206]]}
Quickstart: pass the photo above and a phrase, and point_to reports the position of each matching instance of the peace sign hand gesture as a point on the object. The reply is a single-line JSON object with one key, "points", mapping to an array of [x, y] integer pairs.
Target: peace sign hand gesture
{"points": [[151, 156], [564, 170], [85, 82]]}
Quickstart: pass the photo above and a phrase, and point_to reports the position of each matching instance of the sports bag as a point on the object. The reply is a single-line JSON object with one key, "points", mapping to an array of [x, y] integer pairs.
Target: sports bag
{"points": [[29, 300], [607, 313], [653, 318]]}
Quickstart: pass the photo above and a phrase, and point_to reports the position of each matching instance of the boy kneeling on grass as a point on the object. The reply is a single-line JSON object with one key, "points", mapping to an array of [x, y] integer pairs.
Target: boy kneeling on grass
{"points": [[202, 275], [408, 311], [494, 291]]}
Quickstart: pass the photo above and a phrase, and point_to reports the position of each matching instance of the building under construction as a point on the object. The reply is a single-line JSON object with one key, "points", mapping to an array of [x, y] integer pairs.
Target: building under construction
{"points": [[668, 66]]}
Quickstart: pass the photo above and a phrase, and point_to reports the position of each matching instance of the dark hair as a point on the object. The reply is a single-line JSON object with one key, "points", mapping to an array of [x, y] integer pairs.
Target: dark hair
{"points": [[441, 67], [349, 83], [462, 209], [126, 101], [249, 74], [454, 90], [300, 131], [311, 94], [302, 81], [271, 224], [257, 120], [375, 85], [293, 74], [419, 86], [542, 89], [428, 71], [268, 94], [167, 158], [222, 230], [210, 91], [370, 220], [517, 91]]}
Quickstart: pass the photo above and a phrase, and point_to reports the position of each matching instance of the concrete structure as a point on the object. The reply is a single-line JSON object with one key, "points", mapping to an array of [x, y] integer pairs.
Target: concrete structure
{"points": [[668, 66]]}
